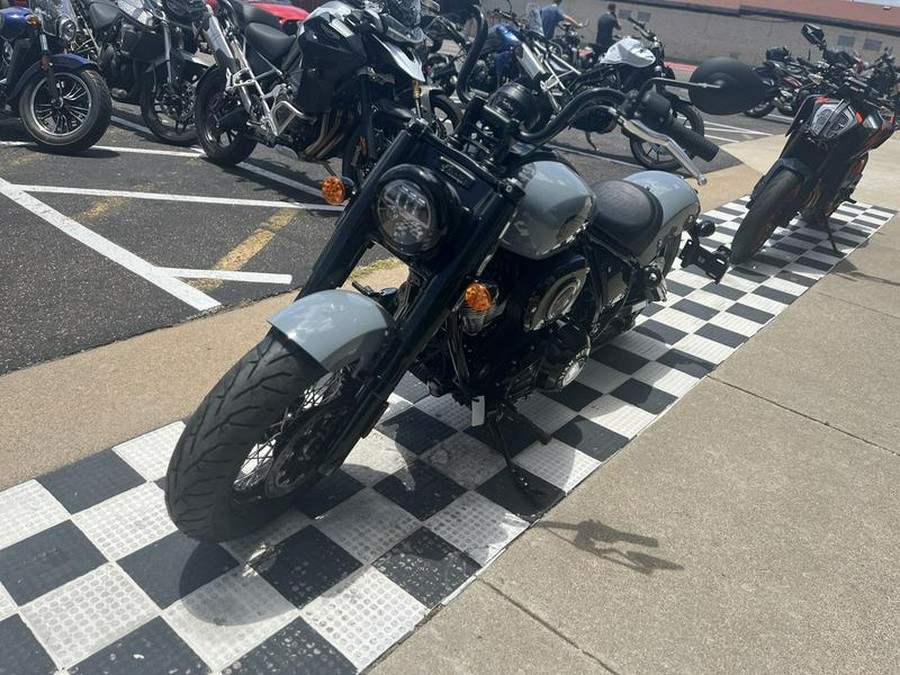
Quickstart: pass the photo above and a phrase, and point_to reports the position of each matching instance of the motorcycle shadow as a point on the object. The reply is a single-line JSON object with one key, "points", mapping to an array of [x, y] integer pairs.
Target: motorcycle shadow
{"points": [[851, 272], [594, 537]]}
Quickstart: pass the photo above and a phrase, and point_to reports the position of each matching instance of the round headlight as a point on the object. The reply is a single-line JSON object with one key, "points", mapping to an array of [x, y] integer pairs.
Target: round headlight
{"points": [[407, 216], [67, 30]]}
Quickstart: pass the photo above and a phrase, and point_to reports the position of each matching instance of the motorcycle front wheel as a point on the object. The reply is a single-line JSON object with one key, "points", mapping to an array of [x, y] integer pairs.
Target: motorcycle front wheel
{"points": [[760, 110], [256, 441], [773, 207], [168, 113], [76, 120], [224, 146], [656, 157]]}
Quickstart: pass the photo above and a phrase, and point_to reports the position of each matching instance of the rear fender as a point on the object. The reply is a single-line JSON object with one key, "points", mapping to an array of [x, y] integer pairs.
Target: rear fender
{"points": [[62, 63], [336, 327]]}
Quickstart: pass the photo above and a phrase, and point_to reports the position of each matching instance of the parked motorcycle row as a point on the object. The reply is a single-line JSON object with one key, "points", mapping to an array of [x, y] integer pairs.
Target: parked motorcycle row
{"points": [[518, 268]]}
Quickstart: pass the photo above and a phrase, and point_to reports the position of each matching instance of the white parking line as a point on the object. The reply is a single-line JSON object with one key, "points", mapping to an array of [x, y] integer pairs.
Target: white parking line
{"points": [[188, 294], [730, 128], [228, 275], [158, 196], [720, 138]]}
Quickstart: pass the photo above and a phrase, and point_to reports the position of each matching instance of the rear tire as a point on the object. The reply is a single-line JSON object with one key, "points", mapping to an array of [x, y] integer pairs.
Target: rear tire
{"points": [[216, 487], [225, 148], [773, 207], [656, 157]]}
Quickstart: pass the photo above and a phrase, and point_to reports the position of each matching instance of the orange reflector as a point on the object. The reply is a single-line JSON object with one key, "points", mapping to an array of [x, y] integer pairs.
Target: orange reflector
{"points": [[33, 20], [478, 297], [333, 190]]}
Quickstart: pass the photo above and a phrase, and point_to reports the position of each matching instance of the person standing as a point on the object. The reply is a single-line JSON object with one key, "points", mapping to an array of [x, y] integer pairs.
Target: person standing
{"points": [[551, 15], [606, 25]]}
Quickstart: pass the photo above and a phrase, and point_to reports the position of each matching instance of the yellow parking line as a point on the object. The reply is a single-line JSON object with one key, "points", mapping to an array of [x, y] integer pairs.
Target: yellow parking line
{"points": [[241, 254], [100, 208], [27, 157]]}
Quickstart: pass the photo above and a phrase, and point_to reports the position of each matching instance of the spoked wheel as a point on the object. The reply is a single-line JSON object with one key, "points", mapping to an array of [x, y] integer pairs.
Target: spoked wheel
{"points": [[256, 441], [657, 157], [224, 141], [168, 110], [76, 119], [773, 207]]}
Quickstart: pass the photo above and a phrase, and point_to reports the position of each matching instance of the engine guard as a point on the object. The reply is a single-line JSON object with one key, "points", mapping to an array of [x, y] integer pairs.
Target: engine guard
{"points": [[336, 327]]}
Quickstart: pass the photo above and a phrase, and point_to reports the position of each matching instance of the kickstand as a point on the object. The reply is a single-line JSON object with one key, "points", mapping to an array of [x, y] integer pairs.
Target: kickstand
{"points": [[823, 223], [589, 139], [493, 425]]}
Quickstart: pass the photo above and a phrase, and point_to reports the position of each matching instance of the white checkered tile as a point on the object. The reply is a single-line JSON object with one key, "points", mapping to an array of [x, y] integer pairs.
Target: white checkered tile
{"points": [[711, 300], [477, 526], [149, 454], [258, 543], [465, 459], [784, 286], [736, 324], [545, 413], [617, 415], [703, 348], [127, 522], [447, 411], [396, 405], [675, 319], [602, 378], [765, 304], [557, 463], [7, 604], [229, 616], [364, 615], [27, 509], [88, 613], [375, 457], [670, 380], [367, 524]]}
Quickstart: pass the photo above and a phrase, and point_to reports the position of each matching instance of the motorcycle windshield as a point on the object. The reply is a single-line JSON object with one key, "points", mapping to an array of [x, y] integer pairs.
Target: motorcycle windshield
{"points": [[53, 9], [630, 52]]}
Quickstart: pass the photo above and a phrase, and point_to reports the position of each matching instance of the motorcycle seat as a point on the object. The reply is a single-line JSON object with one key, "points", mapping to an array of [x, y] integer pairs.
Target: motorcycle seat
{"points": [[628, 215], [247, 14], [103, 14], [270, 42]]}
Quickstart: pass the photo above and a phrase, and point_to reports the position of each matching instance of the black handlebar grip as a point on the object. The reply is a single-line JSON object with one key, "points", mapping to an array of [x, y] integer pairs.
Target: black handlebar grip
{"points": [[691, 141]]}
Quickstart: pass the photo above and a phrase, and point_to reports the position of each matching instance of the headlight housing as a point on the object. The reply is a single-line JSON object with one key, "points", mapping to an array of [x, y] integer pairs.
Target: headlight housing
{"points": [[414, 210], [66, 30]]}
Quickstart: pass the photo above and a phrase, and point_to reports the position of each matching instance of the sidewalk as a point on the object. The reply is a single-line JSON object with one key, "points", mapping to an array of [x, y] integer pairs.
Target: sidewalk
{"points": [[752, 529]]}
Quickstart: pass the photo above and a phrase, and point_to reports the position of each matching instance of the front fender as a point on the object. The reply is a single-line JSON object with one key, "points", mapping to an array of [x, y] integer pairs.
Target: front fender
{"points": [[336, 327], [62, 63]]}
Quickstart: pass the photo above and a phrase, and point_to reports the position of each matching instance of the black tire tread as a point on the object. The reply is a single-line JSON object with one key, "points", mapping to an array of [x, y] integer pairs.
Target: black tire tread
{"points": [[241, 148], [772, 199], [212, 446]]}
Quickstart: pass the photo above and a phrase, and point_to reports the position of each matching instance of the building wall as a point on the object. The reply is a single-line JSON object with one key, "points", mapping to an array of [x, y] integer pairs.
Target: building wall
{"points": [[694, 36]]}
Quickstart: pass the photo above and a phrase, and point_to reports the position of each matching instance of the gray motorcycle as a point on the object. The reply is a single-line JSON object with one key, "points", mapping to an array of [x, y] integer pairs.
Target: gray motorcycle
{"points": [[518, 270]]}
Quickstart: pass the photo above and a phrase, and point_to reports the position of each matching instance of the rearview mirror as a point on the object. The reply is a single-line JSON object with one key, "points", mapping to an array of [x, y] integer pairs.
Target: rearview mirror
{"points": [[813, 34], [738, 87]]}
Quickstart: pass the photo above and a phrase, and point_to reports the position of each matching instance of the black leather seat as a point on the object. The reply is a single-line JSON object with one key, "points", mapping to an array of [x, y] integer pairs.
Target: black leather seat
{"points": [[103, 15], [270, 42], [246, 14], [627, 214]]}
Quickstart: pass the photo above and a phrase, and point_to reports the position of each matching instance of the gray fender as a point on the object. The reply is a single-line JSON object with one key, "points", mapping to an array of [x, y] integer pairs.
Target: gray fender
{"points": [[336, 327]]}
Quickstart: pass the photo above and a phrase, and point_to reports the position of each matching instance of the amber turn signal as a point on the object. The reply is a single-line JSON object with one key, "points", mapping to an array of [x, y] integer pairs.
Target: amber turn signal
{"points": [[33, 20], [333, 190], [478, 297]]}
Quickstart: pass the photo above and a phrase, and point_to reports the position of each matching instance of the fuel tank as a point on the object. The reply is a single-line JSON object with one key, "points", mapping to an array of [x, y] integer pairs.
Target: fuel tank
{"points": [[678, 199], [556, 206]]}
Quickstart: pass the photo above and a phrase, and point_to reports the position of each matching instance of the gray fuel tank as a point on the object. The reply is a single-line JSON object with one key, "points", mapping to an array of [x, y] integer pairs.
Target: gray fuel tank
{"points": [[556, 206], [678, 199]]}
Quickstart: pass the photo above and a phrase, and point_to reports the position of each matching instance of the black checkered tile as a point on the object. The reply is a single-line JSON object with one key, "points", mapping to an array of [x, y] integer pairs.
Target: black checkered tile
{"points": [[94, 578]]}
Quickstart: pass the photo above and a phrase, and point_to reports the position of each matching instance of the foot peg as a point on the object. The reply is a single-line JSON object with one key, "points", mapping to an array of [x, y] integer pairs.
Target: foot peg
{"points": [[713, 263]]}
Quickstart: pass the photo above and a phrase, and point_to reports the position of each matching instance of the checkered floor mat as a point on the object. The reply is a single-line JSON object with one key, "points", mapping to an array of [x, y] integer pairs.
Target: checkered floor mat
{"points": [[95, 579]]}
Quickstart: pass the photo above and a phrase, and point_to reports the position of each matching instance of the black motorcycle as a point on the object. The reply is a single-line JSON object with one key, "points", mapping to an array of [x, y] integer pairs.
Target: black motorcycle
{"points": [[518, 269], [343, 86], [148, 57], [827, 149]]}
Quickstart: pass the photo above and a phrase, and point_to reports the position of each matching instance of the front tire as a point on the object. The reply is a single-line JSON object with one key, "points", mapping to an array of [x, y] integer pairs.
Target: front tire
{"points": [[258, 439], [656, 157], [773, 207], [77, 122], [170, 115], [223, 147]]}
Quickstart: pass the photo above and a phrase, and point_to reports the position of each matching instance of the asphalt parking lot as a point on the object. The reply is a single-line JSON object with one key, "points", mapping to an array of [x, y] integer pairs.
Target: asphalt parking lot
{"points": [[136, 235]]}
